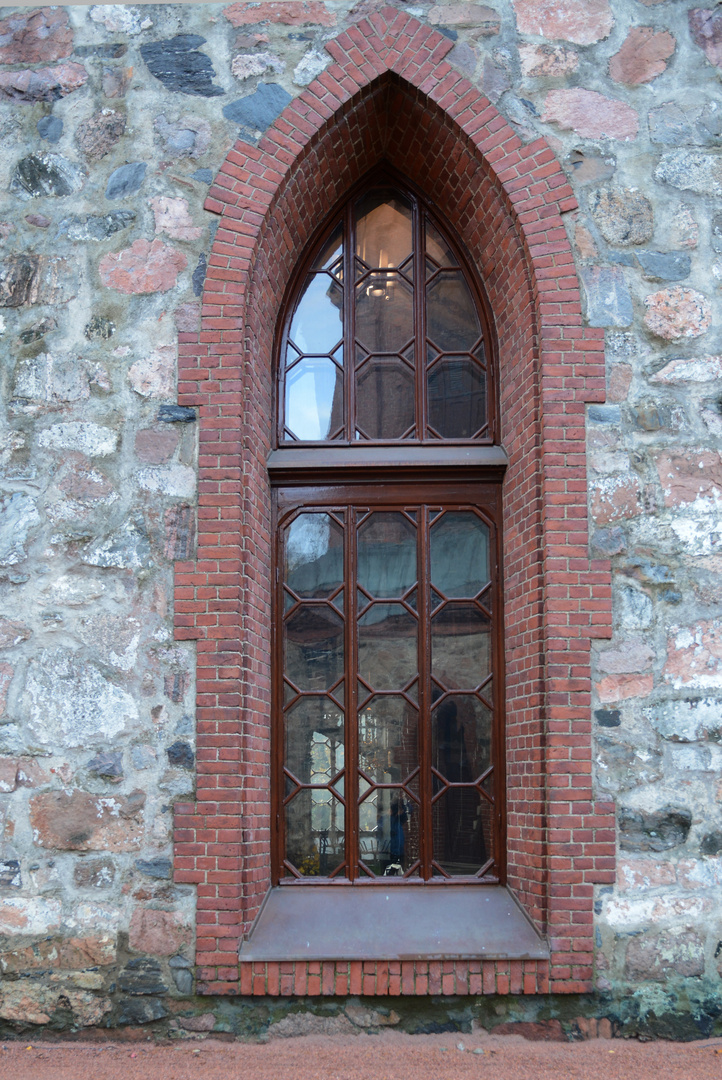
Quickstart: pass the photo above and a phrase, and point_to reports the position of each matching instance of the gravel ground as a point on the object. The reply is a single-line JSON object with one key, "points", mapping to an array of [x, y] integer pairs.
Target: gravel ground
{"points": [[388, 1056]]}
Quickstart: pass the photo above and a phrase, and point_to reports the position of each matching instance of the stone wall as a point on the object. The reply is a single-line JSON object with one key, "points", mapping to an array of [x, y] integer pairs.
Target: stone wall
{"points": [[114, 121]]}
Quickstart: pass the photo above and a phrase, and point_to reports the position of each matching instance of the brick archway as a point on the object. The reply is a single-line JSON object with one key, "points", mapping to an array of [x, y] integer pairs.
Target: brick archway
{"points": [[390, 95]]}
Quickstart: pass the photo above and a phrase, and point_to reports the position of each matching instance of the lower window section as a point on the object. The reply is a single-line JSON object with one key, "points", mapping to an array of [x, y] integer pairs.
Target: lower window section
{"points": [[387, 696]]}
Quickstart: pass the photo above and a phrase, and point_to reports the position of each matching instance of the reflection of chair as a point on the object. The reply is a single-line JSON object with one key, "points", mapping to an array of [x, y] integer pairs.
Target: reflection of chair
{"points": [[369, 846]]}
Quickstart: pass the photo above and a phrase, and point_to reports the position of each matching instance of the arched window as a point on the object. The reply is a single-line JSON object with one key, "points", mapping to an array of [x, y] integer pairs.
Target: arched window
{"points": [[388, 684]]}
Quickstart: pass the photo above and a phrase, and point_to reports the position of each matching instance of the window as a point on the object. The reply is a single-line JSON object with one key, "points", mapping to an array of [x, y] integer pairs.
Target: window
{"points": [[388, 686]]}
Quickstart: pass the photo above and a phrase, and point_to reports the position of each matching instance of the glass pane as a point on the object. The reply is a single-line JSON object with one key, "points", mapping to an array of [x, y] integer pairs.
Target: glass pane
{"points": [[314, 737], [388, 832], [438, 248], [384, 312], [313, 647], [457, 397], [451, 319], [331, 250], [386, 555], [462, 831], [314, 399], [383, 229], [315, 842], [317, 325], [387, 734], [313, 549], [460, 646], [385, 399], [461, 738], [387, 657], [459, 545]]}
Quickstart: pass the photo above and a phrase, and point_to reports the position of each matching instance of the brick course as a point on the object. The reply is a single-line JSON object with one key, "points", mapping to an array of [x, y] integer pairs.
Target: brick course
{"points": [[391, 95]]}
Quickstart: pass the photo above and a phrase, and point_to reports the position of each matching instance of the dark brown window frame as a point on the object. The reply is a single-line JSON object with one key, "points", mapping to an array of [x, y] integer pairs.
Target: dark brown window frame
{"points": [[383, 473]]}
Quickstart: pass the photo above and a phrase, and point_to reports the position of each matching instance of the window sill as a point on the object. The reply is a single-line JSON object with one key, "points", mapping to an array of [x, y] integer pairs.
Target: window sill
{"points": [[449, 922], [303, 464]]}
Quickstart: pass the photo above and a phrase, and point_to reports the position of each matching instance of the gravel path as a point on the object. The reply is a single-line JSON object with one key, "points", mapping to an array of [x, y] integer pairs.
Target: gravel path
{"points": [[388, 1056]]}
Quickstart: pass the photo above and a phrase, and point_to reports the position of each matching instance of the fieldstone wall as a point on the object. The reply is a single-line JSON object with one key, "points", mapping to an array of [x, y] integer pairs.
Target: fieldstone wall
{"points": [[113, 122]]}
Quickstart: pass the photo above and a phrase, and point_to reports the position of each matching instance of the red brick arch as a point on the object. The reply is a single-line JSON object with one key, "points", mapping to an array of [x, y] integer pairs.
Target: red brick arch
{"points": [[390, 96]]}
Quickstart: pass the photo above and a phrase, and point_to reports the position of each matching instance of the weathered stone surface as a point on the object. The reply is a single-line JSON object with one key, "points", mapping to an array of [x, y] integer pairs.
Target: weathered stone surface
{"points": [[42, 84], [176, 685], [538, 61], [82, 481], [97, 135], [176, 414], [29, 915], [144, 267], [179, 65], [705, 26], [155, 868], [249, 65], [78, 821], [37, 279], [306, 1023], [691, 170], [51, 379], [158, 933], [182, 975], [96, 226], [154, 375], [90, 439], [636, 873], [609, 542], [310, 67], [12, 632], [116, 81], [156, 447], [108, 764], [258, 111], [176, 481], [180, 755], [664, 266], [28, 1001], [187, 318], [711, 844], [679, 124], [126, 548], [619, 381], [117, 18], [50, 128], [580, 21], [189, 136], [94, 873], [8, 774], [694, 656], [142, 976], [659, 957], [106, 51], [99, 328], [643, 56], [590, 114], [70, 702], [687, 476], [10, 877], [689, 720], [621, 687], [198, 276], [590, 168], [484, 20], [695, 369], [18, 517], [141, 1011], [114, 638], [658, 830], [46, 174], [623, 217], [609, 302], [125, 180], [40, 221], [677, 313], [38, 36], [179, 523], [173, 218], [204, 1022], [288, 12], [629, 656], [6, 674]]}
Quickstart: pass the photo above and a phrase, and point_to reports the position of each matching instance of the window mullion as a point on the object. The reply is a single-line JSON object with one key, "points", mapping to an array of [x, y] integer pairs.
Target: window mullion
{"points": [[351, 699], [349, 329], [425, 788], [419, 321]]}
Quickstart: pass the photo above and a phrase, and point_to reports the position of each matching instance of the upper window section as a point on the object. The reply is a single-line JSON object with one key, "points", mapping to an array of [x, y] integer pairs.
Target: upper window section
{"points": [[385, 339]]}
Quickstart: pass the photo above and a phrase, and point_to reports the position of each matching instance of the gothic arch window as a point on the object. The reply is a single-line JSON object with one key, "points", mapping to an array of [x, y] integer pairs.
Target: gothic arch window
{"points": [[386, 479]]}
